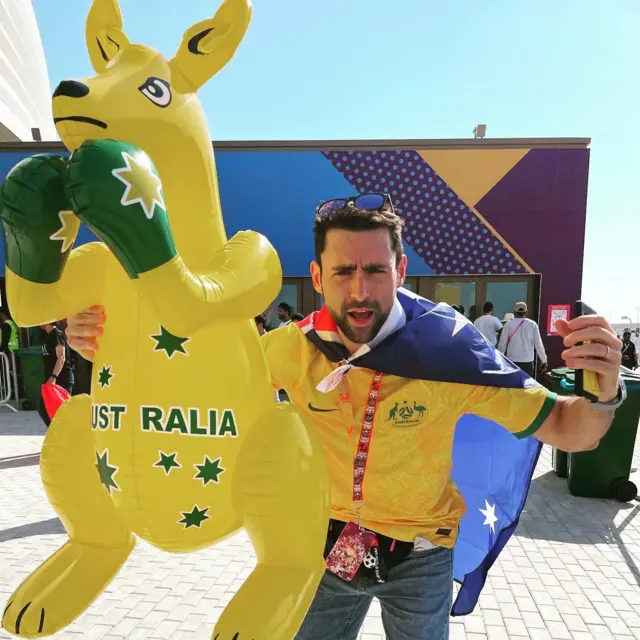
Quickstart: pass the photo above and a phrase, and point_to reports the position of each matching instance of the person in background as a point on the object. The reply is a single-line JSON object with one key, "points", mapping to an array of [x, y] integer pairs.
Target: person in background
{"points": [[520, 340], [9, 334], [261, 324], [296, 317], [488, 325], [629, 353], [57, 363], [284, 313]]}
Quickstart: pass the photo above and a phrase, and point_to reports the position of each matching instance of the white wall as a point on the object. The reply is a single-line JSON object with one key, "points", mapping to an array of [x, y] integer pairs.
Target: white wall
{"points": [[25, 94]]}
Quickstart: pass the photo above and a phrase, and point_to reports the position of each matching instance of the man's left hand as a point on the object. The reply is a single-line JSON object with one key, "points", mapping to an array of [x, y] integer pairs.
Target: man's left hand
{"points": [[603, 355], [52, 381]]}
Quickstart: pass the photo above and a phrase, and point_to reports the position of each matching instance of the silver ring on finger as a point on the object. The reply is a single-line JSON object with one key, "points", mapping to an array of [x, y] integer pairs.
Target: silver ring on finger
{"points": [[607, 352]]}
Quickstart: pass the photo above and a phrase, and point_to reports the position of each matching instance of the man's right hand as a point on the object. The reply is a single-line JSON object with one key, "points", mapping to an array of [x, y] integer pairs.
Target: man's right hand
{"points": [[84, 329]]}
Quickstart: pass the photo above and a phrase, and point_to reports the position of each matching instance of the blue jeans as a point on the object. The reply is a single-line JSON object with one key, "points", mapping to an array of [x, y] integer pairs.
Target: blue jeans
{"points": [[415, 601]]}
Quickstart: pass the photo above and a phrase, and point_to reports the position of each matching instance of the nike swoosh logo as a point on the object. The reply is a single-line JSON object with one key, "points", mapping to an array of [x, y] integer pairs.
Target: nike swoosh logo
{"points": [[312, 408]]}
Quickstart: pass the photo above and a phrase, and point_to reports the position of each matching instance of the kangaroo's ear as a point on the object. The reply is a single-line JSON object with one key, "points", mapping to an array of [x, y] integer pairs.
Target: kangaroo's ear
{"points": [[104, 33], [209, 45]]}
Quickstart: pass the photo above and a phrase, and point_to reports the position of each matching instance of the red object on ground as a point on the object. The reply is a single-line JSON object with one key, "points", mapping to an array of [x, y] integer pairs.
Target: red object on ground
{"points": [[53, 396]]}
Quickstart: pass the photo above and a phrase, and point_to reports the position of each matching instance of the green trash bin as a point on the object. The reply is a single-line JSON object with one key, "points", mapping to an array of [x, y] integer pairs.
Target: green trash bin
{"points": [[604, 472], [32, 373], [555, 377]]}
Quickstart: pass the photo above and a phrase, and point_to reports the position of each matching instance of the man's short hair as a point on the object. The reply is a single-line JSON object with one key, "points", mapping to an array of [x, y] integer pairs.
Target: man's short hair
{"points": [[285, 307], [354, 219], [488, 307]]}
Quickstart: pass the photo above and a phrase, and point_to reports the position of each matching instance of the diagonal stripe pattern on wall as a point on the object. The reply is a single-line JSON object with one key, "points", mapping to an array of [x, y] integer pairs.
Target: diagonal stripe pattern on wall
{"points": [[439, 226]]}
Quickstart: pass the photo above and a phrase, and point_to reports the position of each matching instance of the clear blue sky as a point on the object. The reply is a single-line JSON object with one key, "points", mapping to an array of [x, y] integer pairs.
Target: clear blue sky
{"points": [[320, 69]]}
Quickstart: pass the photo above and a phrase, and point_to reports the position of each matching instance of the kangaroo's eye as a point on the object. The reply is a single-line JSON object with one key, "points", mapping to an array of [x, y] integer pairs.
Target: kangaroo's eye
{"points": [[156, 90]]}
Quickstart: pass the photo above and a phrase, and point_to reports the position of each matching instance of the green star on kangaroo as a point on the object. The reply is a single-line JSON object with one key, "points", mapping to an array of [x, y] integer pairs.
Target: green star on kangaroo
{"points": [[195, 517], [209, 471], [104, 377], [168, 462], [106, 471], [169, 343]]}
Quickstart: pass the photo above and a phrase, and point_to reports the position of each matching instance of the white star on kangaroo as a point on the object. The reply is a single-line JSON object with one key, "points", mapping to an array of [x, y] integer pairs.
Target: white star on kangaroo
{"points": [[66, 233], [142, 185], [490, 517]]}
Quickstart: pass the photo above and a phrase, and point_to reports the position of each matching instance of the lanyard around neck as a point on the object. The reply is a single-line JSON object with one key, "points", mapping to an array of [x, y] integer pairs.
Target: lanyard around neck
{"points": [[364, 441]]}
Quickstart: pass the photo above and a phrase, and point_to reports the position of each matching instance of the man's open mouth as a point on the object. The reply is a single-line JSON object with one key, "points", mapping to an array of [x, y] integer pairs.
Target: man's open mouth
{"points": [[85, 119], [361, 317]]}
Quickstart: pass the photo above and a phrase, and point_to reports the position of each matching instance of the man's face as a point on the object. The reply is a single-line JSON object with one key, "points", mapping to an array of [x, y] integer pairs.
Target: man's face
{"points": [[282, 314], [626, 337], [358, 280]]}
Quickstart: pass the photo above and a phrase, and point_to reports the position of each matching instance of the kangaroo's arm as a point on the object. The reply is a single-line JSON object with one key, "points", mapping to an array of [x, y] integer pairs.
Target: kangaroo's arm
{"points": [[46, 279], [241, 281], [79, 287]]}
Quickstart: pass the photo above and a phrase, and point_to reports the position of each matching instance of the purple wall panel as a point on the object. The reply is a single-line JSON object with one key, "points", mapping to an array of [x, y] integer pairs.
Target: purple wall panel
{"points": [[539, 207]]}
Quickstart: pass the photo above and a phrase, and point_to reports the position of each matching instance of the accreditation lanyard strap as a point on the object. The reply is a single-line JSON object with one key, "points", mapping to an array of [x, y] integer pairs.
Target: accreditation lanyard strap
{"points": [[364, 442]]}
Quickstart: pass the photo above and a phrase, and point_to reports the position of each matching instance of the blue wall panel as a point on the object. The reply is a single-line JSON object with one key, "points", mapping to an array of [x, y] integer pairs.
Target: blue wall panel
{"points": [[273, 192]]}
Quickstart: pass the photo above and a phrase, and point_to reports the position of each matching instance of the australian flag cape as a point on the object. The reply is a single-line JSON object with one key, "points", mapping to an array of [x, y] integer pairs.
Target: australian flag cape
{"points": [[491, 467]]}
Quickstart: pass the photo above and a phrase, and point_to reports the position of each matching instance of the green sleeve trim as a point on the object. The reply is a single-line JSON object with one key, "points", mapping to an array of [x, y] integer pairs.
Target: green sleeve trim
{"points": [[543, 414]]}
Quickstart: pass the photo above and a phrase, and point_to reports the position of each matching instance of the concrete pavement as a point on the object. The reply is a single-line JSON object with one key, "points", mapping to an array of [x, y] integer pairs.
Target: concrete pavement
{"points": [[571, 572]]}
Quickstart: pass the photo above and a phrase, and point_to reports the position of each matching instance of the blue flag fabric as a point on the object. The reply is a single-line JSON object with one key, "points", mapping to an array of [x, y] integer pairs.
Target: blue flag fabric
{"points": [[491, 467]]}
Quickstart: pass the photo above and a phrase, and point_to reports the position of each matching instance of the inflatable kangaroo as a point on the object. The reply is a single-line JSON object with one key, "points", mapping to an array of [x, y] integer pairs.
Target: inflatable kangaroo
{"points": [[181, 443]]}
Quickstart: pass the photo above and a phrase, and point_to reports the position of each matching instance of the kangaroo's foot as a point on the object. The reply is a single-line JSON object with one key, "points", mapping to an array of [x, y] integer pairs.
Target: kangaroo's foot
{"points": [[62, 588]]}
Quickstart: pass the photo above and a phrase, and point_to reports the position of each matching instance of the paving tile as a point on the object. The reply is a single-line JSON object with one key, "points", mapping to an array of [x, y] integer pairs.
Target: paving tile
{"points": [[569, 573]]}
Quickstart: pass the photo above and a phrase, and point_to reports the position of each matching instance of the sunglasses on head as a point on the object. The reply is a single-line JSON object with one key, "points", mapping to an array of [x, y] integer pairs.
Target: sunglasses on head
{"points": [[366, 202]]}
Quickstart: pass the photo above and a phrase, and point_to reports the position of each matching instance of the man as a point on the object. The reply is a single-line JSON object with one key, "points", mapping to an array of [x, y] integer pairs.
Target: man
{"points": [[57, 363], [284, 313], [520, 338], [9, 335], [629, 353], [398, 430], [488, 325]]}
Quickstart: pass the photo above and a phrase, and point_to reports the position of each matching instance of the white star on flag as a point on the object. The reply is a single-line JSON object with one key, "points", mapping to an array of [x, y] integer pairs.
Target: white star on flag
{"points": [[66, 233], [490, 517], [459, 320]]}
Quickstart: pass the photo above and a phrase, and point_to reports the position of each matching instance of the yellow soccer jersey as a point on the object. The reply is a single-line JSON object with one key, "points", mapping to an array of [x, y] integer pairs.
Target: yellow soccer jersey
{"points": [[408, 491]]}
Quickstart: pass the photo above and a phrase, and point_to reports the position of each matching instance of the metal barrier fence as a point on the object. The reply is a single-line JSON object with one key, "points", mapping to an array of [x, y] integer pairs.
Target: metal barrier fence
{"points": [[8, 382]]}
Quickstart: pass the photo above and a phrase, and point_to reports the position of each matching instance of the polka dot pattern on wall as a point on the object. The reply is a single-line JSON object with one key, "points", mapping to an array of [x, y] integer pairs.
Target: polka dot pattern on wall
{"points": [[439, 226]]}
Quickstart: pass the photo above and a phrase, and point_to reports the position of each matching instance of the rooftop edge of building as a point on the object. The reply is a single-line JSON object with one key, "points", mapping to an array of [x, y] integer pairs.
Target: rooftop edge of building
{"points": [[336, 145]]}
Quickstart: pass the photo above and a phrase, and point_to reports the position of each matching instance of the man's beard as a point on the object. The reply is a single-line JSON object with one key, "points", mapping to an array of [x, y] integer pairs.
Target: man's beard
{"points": [[359, 335]]}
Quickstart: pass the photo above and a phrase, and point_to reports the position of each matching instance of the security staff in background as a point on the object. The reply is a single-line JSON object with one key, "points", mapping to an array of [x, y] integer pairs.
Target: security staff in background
{"points": [[9, 334]]}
